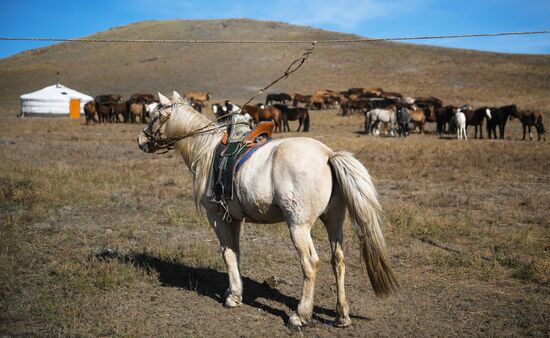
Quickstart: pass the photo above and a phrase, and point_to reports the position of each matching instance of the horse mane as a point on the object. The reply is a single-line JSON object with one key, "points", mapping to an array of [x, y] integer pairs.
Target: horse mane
{"points": [[198, 150]]}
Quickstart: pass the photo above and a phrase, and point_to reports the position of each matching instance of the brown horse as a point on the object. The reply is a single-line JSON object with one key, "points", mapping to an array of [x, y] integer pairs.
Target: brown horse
{"points": [[251, 110], [106, 106], [293, 114], [144, 98], [90, 112], [104, 113], [267, 114], [198, 97], [532, 118], [137, 112], [418, 119], [119, 112], [299, 98]]}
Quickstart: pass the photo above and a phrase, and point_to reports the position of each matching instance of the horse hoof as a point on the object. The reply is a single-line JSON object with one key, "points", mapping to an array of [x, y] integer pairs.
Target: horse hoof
{"points": [[342, 322], [232, 301], [296, 321]]}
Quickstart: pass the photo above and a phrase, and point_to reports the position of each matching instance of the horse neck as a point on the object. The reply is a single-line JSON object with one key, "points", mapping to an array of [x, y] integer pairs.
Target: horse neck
{"points": [[198, 150]]}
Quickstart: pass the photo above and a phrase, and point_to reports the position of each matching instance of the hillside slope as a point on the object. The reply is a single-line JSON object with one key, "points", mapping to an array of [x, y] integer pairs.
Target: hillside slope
{"points": [[237, 71]]}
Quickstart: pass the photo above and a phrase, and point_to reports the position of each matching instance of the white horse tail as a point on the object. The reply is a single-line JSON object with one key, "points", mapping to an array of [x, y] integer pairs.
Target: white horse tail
{"points": [[361, 201]]}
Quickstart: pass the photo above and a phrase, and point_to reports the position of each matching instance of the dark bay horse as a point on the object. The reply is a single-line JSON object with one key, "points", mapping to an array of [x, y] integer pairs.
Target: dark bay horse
{"points": [[443, 117], [499, 116], [282, 98], [293, 114], [532, 118], [475, 118]]}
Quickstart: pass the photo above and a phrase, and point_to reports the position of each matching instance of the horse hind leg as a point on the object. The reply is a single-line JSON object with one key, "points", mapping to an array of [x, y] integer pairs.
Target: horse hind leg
{"points": [[301, 237], [334, 222]]}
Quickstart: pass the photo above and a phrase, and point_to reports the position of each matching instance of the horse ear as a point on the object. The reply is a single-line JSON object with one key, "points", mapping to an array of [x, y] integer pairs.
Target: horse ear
{"points": [[164, 100], [176, 97]]}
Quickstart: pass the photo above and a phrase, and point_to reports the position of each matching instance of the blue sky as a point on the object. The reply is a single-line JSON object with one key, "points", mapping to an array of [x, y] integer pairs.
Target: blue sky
{"points": [[368, 18]]}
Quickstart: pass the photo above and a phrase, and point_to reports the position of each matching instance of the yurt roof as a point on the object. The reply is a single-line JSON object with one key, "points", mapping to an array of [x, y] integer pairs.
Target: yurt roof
{"points": [[56, 92]]}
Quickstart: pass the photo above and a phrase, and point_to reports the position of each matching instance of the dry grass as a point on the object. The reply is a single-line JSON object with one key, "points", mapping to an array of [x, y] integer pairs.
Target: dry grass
{"points": [[100, 239]]}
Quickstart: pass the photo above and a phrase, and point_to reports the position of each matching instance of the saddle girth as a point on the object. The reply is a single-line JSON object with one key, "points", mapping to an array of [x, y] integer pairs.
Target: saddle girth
{"points": [[229, 156]]}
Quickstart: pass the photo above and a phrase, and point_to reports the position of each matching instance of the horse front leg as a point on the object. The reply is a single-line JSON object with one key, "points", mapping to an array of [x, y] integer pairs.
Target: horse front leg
{"points": [[229, 237], [301, 237]]}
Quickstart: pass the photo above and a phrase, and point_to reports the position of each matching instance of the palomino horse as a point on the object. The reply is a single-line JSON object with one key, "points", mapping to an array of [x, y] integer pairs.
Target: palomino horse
{"points": [[271, 187]]}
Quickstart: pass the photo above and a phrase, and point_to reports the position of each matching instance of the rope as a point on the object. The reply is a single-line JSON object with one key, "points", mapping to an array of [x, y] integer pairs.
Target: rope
{"points": [[329, 41], [169, 143], [296, 64]]}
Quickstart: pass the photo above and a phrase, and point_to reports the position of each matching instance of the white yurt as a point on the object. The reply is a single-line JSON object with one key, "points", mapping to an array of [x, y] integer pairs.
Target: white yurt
{"points": [[56, 100]]}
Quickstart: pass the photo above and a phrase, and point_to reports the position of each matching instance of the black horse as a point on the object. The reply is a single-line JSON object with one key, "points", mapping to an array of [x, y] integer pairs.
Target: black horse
{"points": [[443, 117], [499, 116], [403, 120], [273, 98]]}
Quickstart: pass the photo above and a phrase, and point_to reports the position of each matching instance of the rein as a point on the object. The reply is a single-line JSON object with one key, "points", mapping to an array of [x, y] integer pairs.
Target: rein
{"points": [[155, 137]]}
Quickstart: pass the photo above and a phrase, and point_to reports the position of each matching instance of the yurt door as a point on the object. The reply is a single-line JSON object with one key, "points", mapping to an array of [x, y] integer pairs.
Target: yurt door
{"points": [[74, 109]]}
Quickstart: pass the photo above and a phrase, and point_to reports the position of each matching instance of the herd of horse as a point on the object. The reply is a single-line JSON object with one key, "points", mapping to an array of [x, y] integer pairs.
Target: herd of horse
{"points": [[393, 112], [397, 113], [113, 108]]}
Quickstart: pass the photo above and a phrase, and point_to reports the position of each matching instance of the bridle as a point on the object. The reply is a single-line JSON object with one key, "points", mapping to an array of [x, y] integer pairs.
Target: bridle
{"points": [[155, 138]]}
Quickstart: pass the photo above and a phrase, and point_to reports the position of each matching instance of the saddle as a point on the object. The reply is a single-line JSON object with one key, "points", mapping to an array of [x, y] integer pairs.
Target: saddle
{"points": [[238, 143], [264, 128]]}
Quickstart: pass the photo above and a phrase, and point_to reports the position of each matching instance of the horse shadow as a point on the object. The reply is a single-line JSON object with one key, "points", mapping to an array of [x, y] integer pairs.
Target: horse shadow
{"points": [[211, 283]]}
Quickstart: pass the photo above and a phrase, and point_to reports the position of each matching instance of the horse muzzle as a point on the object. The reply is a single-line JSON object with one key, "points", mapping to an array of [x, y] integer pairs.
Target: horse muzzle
{"points": [[145, 144]]}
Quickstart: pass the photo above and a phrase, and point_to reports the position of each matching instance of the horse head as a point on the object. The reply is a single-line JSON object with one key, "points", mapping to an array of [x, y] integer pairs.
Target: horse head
{"points": [[176, 120], [513, 110], [149, 139]]}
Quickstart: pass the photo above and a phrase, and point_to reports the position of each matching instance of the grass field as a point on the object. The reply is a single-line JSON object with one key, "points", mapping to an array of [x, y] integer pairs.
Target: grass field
{"points": [[99, 239]]}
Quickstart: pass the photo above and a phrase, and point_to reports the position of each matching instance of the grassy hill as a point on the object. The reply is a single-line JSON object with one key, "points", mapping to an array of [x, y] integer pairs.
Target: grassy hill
{"points": [[237, 71]]}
